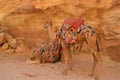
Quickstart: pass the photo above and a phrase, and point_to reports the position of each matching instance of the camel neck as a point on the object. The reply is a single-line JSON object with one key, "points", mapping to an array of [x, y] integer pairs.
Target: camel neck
{"points": [[52, 34]]}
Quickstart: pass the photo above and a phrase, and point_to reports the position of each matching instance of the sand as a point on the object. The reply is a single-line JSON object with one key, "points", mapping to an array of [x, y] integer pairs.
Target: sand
{"points": [[14, 67]]}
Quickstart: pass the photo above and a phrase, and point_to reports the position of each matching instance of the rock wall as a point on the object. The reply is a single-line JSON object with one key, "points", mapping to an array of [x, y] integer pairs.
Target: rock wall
{"points": [[28, 18]]}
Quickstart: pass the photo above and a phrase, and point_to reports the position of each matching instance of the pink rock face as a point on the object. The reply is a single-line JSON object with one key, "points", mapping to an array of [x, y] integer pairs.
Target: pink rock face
{"points": [[25, 18], [2, 38]]}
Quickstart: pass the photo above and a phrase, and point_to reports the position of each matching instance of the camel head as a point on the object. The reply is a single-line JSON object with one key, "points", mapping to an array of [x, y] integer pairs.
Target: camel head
{"points": [[48, 27], [47, 24]]}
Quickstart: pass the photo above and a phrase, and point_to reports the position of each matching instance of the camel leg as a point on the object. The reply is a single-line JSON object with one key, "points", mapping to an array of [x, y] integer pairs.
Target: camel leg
{"points": [[68, 61], [91, 41], [97, 65], [78, 48], [62, 58], [67, 56], [94, 64]]}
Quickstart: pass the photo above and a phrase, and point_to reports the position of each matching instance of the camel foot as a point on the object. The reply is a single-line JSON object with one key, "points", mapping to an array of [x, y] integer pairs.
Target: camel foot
{"points": [[96, 78], [64, 72], [90, 74], [32, 61], [70, 69]]}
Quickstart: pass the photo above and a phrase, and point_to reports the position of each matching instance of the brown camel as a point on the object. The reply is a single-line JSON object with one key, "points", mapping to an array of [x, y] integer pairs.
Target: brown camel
{"points": [[92, 42]]}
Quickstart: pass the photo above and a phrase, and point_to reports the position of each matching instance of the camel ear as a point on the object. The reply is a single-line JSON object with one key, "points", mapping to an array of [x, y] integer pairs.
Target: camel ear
{"points": [[48, 24], [45, 25], [89, 27]]}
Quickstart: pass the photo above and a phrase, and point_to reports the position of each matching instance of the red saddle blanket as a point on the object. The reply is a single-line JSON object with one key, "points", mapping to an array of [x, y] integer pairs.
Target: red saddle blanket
{"points": [[74, 22]]}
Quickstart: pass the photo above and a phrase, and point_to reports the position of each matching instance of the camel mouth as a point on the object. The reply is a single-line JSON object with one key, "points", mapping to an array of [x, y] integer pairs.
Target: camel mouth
{"points": [[45, 27]]}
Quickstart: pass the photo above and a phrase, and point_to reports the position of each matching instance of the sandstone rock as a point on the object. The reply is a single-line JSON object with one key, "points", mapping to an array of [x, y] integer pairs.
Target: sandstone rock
{"points": [[11, 41], [46, 4], [5, 46], [19, 50], [10, 51], [94, 12], [106, 3], [114, 52], [2, 38]]}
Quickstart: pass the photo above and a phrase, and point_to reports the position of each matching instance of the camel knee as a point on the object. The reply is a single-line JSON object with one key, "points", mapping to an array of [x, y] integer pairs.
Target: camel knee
{"points": [[99, 60], [97, 57]]}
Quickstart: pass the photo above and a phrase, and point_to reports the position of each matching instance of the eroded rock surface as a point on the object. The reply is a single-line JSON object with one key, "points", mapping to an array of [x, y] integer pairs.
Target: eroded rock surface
{"points": [[25, 18]]}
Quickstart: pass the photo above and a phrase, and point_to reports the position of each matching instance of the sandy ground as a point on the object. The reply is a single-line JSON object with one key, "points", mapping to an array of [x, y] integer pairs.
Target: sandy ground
{"points": [[14, 67]]}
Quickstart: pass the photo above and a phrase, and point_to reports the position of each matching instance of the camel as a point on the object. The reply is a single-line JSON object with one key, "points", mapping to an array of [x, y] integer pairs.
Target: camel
{"points": [[47, 52], [92, 42], [52, 34]]}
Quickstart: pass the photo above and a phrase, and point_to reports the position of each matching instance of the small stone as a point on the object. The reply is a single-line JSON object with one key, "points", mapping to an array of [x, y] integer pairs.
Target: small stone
{"points": [[2, 38], [5, 46], [10, 51], [12, 43]]}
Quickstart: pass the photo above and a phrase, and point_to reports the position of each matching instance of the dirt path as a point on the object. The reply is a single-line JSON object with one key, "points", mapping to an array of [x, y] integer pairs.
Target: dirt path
{"points": [[14, 67]]}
